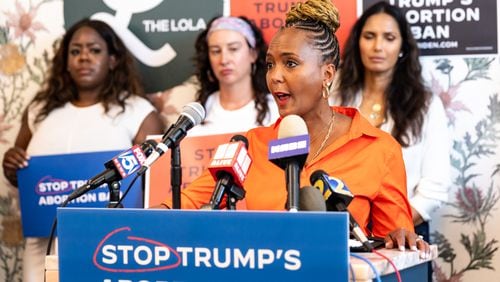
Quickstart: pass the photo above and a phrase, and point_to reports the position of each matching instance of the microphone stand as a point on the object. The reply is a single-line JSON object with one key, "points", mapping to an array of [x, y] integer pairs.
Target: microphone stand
{"points": [[175, 171], [292, 173], [176, 176], [114, 195], [234, 194]]}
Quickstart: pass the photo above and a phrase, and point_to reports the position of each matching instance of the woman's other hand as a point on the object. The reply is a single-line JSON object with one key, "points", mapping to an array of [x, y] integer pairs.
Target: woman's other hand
{"points": [[15, 158], [401, 238]]}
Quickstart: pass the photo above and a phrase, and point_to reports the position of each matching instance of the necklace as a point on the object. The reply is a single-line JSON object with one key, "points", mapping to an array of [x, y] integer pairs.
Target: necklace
{"points": [[327, 136], [375, 114]]}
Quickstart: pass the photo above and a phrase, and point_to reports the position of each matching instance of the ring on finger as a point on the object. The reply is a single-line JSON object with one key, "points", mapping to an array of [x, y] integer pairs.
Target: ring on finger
{"points": [[419, 238]]}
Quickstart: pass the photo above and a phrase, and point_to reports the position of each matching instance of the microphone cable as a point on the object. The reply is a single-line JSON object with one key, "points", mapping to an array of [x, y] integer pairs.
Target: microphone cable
{"points": [[53, 228], [374, 269], [353, 276], [65, 203], [398, 275]]}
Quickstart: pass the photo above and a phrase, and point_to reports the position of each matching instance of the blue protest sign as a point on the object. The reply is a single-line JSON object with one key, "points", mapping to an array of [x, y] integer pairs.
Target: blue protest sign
{"points": [[48, 180]]}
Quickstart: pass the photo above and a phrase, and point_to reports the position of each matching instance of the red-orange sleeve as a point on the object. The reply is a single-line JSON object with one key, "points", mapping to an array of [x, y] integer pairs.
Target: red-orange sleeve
{"points": [[390, 208]]}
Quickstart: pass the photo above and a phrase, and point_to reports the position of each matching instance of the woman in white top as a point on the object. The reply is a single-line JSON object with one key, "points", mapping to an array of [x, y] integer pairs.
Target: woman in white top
{"points": [[230, 66], [380, 74], [91, 102]]}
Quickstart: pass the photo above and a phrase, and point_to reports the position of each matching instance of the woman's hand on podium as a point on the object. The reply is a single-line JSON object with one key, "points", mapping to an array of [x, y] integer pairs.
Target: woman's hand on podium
{"points": [[402, 238]]}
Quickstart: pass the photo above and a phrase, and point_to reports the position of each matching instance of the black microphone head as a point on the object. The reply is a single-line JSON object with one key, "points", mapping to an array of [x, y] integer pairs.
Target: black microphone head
{"points": [[315, 176], [241, 138], [311, 199], [194, 112], [148, 147]]}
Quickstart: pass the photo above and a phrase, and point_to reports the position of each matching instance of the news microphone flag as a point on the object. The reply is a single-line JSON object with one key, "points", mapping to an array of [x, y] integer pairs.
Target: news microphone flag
{"points": [[290, 152], [128, 162], [337, 197], [281, 150], [232, 158], [327, 184], [118, 168]]}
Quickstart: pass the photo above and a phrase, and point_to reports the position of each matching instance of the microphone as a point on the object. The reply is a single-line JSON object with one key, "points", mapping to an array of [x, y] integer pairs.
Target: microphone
{"points": [[118, 168], [311, 199], [192, 114], [337, 197], [289, 152], [229, 167]]}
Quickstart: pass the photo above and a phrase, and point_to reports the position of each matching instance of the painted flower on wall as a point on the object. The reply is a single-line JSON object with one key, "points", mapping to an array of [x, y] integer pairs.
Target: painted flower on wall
{"points": [[477, 68], [448, 98], [23, 21], [472, 205], [11, 60], [19, 72]]}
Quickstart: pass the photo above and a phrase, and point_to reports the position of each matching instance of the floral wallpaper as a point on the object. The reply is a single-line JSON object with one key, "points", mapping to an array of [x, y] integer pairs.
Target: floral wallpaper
{"points": [[23, 65], [464, 229], [467, 246]]}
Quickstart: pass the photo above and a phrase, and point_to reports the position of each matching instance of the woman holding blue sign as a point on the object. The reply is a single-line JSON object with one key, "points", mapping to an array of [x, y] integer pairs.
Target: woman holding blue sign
{"points": [[301, 60], [92, 101]]}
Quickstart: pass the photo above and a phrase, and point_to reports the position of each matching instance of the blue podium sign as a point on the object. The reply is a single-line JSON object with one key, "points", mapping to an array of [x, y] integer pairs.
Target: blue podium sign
{"points": [[48, 180], [177, 245]]}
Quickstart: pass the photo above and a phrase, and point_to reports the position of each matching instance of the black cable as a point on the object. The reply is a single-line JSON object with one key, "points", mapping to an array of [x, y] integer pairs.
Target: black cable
{"points": [[53, 228], [65, 203]]}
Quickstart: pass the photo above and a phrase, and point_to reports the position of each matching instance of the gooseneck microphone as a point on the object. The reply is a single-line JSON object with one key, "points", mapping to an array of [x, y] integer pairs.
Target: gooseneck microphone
{"points": [[289, 152], [192, 114], [229, 167], [337, 197], [118, 168]]}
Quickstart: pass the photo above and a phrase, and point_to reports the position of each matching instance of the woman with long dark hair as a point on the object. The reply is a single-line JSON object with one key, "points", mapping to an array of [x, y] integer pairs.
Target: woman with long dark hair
{"points": [[92, 101], [380, 74]]}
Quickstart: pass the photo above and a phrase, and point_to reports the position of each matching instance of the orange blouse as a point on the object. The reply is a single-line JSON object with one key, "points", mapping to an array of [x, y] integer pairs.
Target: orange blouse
{"points": [[368, 160]]}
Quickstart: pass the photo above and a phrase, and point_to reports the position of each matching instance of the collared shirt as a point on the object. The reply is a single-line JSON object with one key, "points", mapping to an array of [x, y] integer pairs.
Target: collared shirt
{"points": [[427, 160], [367, 159]]}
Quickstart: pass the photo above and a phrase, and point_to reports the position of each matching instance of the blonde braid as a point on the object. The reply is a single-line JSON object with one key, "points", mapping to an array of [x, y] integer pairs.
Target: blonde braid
{"points": [[321, 18]]}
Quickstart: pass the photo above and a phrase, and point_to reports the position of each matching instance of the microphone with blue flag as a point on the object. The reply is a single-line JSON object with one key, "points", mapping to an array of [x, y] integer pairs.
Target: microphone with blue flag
{"points": [[337, 197], [289, 152], [118, 168]]}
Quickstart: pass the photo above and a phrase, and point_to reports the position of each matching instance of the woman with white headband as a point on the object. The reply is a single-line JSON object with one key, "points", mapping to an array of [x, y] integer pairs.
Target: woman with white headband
{"points": [[231, 69]]}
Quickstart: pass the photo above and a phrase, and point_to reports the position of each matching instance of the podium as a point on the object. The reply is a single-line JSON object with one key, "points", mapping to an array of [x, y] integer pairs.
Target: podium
{"points": [[175, 245], [183, 245]]}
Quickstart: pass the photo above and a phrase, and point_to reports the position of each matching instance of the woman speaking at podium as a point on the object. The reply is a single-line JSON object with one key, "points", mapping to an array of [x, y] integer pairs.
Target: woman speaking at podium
{"points": [[301, 63]]}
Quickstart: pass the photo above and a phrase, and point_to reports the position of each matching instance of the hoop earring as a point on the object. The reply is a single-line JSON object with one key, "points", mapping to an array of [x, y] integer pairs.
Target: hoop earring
{"points": [[325, 92]]}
